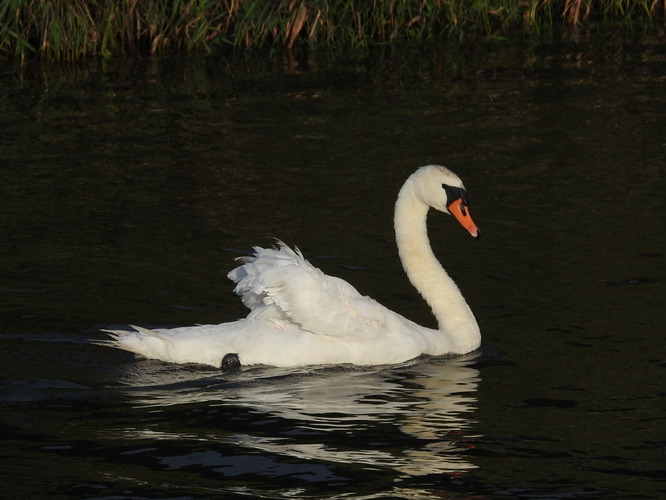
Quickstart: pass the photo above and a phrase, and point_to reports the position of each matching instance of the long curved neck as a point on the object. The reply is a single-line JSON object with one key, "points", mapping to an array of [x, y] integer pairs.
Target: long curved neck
{"points": [[454, 317]]}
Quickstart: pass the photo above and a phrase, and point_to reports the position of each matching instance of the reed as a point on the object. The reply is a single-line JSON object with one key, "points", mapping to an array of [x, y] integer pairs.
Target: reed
{"points": [[72, 29]]}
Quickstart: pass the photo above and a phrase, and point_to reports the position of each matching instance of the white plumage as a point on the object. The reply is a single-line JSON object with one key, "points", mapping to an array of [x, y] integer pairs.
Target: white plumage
{"points": [[300, 316]]}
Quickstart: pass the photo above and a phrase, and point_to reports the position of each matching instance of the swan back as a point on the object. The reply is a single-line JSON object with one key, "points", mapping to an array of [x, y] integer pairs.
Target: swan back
{"points": [[281, 285]]}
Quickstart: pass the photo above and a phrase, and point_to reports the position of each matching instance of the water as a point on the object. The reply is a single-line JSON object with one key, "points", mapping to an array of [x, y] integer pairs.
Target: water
{"points": [[128, 190]]}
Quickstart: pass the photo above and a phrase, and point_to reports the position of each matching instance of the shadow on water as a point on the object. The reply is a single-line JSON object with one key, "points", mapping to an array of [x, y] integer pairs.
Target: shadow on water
{"points": [[128, 190]]}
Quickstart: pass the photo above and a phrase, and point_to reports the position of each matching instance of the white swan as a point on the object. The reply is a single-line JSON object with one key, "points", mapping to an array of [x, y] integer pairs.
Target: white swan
{"points": [[300, 316]]}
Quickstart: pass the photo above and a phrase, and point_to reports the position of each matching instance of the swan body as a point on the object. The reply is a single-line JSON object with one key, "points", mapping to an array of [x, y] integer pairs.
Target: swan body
{"points": [[300, 316]]}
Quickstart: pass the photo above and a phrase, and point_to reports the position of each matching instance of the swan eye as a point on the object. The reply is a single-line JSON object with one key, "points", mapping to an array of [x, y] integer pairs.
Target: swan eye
{"points": [[455, 193]]}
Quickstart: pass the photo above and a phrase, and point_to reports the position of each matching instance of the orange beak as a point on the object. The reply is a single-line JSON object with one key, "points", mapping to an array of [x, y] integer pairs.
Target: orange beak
{"points": [[461, 213]]}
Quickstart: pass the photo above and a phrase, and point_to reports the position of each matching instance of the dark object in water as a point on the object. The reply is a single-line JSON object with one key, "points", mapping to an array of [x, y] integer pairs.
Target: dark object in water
{"points": [[230, 362]]}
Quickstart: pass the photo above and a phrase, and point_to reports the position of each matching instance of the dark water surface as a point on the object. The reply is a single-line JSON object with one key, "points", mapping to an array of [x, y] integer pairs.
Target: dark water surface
{"points": [[126, 192]]}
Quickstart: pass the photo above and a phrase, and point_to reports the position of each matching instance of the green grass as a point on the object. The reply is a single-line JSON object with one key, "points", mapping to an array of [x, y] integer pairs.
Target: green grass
{"points": [[72, 29]]}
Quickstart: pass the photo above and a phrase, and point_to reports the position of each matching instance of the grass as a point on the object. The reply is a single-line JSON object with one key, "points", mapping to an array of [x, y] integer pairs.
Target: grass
{"points": [[72, 29]]}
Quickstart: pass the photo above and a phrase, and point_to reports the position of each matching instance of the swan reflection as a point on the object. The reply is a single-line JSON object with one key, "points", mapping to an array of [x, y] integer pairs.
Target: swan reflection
{"points": [[413, 418]]}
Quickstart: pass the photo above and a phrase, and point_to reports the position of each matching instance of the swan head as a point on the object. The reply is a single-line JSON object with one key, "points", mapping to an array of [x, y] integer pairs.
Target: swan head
{"points": [[441, 189]]}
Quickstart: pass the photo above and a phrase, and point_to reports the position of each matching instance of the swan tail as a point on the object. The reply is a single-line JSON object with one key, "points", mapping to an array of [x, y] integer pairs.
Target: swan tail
{"points": [[133, 341]]}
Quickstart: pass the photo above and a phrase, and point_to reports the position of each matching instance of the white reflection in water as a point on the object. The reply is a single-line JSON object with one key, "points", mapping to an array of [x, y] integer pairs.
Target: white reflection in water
{"points": [[409, 418]]}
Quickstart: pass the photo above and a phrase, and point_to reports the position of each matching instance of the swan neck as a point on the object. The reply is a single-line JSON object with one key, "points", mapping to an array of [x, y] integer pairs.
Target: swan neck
{"points": [[454, 317]]}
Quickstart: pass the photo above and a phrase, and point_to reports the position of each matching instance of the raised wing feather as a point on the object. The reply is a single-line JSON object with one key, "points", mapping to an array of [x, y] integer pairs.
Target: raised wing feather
{"points": [[282, 285]]}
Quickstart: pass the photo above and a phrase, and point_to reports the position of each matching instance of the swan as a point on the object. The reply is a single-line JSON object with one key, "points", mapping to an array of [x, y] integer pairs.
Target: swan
{"points": [[300, 316]]}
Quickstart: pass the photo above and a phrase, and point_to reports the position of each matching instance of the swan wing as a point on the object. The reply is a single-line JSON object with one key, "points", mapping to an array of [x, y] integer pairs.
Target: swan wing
{"points": [[281, 285]]}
